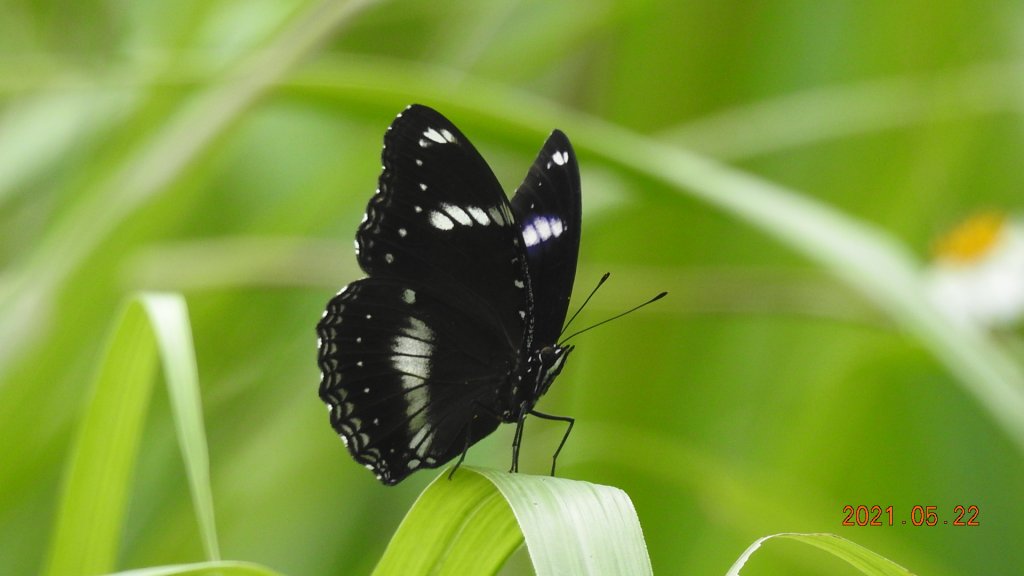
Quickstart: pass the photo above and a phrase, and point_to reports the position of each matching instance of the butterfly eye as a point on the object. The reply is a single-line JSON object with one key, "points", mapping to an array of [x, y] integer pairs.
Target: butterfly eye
{"points": [[552, 357]]}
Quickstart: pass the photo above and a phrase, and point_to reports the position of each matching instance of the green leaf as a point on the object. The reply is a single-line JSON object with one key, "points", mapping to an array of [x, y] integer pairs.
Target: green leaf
{"points": [[457, 526], [219, 568], [169, 316], [854, 554], [91, 513], [96, 487], [468, 526], [575, 527]]}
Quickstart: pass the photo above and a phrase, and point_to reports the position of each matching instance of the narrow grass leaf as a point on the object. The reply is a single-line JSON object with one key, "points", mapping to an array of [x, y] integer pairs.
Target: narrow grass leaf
{"points": [[461, 526], [91, 515], [853, 554], [469, 526], [96, 485], [575, 527], [169, 317], [219, 568]]}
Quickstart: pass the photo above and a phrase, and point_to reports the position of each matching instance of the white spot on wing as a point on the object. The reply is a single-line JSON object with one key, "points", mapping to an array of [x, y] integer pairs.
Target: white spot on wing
{"points": [[442, 137], [457, 214], [420, 435], [557, 227], [407, 346], [418, 329], [440, 221], [541, 228], [530, 235], [560, 157], [414, 365], [409, 381], [479, 215], [496, 216]]}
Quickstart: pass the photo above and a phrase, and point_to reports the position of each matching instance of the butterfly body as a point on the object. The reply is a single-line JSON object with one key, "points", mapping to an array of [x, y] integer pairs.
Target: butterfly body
{"points": [[455, 327]]}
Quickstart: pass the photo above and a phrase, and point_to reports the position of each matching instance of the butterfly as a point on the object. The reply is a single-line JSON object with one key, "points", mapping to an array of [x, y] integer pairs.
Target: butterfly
{"points": [[455, 328]]}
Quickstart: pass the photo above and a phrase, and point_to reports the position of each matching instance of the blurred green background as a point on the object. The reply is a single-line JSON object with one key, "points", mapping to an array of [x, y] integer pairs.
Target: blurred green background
{"points": [[226, 149]]}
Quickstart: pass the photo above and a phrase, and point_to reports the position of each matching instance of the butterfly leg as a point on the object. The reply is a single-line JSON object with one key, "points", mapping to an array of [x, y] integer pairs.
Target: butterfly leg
{"points": [[462, 456], [570, 421], [516, 441], [469, 434]]}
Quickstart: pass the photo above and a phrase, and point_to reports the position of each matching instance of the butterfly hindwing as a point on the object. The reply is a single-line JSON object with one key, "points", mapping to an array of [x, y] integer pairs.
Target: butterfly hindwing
{"points": [[411, 376]]}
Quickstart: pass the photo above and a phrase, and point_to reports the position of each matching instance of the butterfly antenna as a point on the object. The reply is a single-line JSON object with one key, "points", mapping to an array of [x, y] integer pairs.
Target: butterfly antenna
{"points": [[620, 315], [580, 309]]}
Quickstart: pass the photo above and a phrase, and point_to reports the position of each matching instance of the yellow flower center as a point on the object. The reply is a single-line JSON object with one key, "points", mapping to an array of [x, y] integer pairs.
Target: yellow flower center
{"points": [[972, 239]]}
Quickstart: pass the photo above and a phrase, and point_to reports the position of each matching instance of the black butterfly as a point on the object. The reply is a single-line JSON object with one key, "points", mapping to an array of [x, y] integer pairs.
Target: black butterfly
{"points": [[456, 327]]}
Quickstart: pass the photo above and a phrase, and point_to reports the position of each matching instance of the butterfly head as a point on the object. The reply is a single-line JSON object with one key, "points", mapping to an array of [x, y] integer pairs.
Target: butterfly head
{"points": [[547, 364]]}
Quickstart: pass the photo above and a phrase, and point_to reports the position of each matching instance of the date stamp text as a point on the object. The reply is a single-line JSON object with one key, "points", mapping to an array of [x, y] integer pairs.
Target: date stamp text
{"points": [[919, 515]]}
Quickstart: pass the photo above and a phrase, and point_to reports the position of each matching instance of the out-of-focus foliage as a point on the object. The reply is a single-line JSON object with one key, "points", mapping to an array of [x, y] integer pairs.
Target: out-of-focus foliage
{"points": [[226, 150]]}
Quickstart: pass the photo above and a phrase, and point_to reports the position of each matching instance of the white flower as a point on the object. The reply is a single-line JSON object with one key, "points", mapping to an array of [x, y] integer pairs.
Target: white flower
{"points": [[978, 273]]}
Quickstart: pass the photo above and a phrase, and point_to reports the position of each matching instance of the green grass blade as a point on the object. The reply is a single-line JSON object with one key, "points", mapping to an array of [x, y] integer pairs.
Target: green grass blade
{"points": [[96, 486], [169, 316], [575, 527], [469, 526], [89, 521], [853, 554], [462, 526], [219, 568], [807, 118]]}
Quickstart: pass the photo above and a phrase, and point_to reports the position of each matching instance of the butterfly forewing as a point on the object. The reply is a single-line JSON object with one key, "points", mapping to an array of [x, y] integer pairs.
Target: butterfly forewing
{"points": [[547, 207], [441, 218]]}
